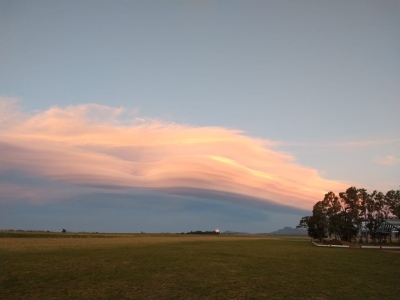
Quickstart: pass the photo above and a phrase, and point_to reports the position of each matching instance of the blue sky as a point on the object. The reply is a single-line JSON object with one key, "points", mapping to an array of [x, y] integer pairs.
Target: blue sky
{"points": [[317, 83]]}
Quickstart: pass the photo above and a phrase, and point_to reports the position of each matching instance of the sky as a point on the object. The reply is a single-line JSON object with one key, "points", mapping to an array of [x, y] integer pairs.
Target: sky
{"points": [[172, 116]]}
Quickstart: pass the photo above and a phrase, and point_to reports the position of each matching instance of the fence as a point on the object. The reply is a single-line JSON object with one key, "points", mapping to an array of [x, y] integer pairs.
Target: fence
{"points": [[357, 246]]}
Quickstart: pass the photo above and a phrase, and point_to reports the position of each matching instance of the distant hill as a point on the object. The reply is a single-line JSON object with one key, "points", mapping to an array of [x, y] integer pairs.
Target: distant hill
{"points": [[283, 231], [290, 231]]}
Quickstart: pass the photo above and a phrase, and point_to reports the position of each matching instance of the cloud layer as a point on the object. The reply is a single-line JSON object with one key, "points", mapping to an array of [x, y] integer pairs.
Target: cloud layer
{"points": [[110, 148]]}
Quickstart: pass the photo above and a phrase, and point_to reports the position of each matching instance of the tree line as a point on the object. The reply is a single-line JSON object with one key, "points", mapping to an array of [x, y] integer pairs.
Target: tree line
{"points": [[203, 232], [352, 214]]}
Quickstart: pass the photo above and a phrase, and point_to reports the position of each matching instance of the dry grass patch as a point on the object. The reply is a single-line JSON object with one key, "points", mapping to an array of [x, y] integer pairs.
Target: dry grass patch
{"points": [[74, 241]]}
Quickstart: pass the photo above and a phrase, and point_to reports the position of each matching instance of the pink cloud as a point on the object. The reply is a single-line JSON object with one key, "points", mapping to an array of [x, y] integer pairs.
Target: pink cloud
{"points": [[389, 160], [95, 145]]}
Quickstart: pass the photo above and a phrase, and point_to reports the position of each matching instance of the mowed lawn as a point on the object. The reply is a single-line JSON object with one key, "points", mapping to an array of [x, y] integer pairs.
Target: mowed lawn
{"points": [[143, 266]]}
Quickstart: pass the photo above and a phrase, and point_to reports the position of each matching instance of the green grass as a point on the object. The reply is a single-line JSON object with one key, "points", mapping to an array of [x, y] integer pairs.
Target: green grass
{"points": [[192, 267]]}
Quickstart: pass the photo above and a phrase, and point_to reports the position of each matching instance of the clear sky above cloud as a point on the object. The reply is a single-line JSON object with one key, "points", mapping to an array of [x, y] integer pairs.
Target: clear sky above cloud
{"points": [[186, 115]]}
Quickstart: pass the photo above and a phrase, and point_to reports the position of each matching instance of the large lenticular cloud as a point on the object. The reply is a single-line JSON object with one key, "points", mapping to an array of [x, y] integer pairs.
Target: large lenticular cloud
{"points": [[98, 146]]}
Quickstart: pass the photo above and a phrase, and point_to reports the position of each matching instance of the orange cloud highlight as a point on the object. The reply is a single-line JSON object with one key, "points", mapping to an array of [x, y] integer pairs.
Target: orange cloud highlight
{"points": [[104, 147]]}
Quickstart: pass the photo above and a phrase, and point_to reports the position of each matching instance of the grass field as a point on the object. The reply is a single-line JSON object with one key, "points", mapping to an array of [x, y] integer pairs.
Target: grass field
{"points": [[142, 266]]}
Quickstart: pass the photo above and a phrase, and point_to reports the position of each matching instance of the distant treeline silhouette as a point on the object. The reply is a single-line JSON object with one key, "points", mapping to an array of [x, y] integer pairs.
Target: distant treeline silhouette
{"points": [[203, 232]]}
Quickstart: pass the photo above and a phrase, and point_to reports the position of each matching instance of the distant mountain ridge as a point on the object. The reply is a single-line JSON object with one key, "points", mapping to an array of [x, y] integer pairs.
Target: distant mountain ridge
{"points": [[289, 231], [284, 231]]}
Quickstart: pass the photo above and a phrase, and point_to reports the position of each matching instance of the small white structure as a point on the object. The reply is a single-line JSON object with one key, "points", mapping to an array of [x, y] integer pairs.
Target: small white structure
{"points": [[390, 228]]}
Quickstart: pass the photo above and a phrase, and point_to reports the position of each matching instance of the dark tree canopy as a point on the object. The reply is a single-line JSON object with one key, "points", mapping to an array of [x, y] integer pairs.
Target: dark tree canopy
{"points": [[354, 213]]}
